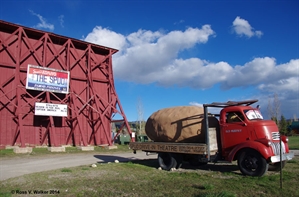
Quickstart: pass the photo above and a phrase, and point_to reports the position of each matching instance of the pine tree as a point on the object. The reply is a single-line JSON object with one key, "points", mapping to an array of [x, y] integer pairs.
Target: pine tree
{"points": [[288, 127], [275, 120], [283, 125]]}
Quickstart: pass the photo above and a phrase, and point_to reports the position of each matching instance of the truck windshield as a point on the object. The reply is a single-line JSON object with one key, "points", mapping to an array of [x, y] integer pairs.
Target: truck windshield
{"points": [[253, 114]]}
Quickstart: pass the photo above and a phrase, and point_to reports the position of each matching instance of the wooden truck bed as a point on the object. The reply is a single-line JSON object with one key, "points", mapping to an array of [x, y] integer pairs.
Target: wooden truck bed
{"points": [[174, 147]]}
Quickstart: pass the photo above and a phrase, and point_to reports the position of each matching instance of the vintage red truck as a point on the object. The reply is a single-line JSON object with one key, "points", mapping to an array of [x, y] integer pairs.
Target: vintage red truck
{"points": [[242, 135]]}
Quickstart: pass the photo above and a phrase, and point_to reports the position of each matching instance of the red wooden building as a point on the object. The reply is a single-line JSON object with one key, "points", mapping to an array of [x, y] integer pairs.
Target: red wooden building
{"points": [[55, 90]]}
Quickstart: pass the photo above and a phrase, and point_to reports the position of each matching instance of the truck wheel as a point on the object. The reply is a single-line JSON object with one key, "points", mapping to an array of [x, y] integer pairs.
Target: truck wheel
{"points": [[166, 161], [251, 163], [178, 158], [276, 166]]}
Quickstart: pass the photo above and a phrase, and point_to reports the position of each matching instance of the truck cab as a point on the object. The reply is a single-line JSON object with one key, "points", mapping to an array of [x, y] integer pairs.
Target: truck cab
{"points": [[245, 136]]}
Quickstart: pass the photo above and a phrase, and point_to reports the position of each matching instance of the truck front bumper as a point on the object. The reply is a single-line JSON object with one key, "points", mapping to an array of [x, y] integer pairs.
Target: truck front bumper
{"points": [[286, 156]]}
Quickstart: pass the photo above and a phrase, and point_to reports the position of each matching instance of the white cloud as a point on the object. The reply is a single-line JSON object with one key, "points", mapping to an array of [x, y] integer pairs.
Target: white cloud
{"points": [[153, 57], [252, 73], [43, 23], [193, 103], [107, 38], [212, 110], [179, 22], [242, 28], [149, 57], [289, 84], [61, 20], [143, 37], [194, 73], [258, 33], [262, 71]]}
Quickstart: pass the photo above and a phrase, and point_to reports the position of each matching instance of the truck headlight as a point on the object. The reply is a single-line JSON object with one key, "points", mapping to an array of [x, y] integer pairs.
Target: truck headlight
{"points": [[266, 142]]}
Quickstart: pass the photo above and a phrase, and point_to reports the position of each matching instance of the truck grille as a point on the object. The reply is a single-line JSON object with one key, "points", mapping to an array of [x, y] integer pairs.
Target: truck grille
{"points": [[276, 148], [275, 136]]}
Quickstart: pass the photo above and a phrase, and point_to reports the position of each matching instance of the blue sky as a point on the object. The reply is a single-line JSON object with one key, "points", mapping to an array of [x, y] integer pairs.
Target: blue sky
{"points": [[183, 52]]}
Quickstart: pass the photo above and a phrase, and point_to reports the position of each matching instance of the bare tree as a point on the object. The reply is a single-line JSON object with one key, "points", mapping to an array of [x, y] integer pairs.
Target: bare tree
{"points": [[274, 108], [140, 114]]}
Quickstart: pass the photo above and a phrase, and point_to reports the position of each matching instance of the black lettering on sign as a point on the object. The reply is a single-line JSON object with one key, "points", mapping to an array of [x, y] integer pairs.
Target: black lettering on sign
{"points": [[198, 149], [146, 147], [161, 147], [185, 149]]}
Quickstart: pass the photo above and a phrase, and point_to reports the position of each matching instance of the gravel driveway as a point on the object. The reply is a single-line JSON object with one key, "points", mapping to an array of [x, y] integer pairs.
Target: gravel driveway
{"points": [[18, 166]]}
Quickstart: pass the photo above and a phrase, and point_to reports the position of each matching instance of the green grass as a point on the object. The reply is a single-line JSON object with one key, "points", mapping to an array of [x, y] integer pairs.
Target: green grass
{"points": [[66, 170], [294, 142], [68, 150], [6, 152], [142, 178]]}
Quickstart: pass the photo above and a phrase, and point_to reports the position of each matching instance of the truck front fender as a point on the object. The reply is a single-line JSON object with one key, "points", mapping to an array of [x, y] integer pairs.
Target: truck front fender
{"points": [[264, 150]]}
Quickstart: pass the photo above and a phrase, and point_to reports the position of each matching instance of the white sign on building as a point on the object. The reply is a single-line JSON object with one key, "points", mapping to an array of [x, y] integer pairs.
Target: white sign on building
{"points": [[50, 109]]}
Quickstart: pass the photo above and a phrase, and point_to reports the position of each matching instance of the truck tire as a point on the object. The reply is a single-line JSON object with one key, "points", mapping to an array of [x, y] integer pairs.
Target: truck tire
{"points": [[252, 163], [276, 166], [166, 161]]}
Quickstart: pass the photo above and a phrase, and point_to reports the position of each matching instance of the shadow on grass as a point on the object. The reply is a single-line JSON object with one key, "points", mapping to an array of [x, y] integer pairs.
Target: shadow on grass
{"points": [[218, 167], [111, 158]]}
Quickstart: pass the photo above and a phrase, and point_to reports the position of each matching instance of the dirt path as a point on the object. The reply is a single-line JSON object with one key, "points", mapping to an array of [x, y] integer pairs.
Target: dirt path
{"points": [[13, 167]]}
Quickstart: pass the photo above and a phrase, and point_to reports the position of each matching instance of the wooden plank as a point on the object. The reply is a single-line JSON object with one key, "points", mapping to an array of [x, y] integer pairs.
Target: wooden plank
{"points": [[189, 148]]}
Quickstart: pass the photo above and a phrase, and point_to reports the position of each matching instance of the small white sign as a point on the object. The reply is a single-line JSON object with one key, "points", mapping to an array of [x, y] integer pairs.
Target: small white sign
{"points": [[50, 109]]}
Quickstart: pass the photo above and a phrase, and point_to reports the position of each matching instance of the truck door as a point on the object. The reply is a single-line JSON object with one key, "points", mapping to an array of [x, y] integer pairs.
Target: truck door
{"points": [[233, 131]]}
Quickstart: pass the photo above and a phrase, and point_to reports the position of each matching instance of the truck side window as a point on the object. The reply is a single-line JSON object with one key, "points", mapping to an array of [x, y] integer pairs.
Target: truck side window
{"points": [[234, 117]]}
